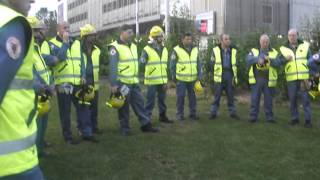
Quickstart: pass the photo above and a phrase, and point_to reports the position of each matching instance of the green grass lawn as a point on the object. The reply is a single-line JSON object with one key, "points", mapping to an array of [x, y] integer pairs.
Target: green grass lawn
{"points": [[221, 150]]}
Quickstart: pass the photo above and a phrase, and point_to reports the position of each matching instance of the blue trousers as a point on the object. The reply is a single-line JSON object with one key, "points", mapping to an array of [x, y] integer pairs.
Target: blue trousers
{"points": [[136, 100], [94, 110], [227, 86], [82, 111], [152, 92], [32, 174], [42, 127], [182, 88], [294, 92], [261, 87]]}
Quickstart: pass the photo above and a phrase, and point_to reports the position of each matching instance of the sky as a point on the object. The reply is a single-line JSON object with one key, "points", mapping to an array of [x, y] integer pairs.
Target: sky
{"points": [[50, 4]]}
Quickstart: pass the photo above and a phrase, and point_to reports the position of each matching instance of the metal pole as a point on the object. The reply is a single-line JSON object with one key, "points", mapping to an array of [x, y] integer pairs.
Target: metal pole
{"points": [[167, 20], [137, 18]]}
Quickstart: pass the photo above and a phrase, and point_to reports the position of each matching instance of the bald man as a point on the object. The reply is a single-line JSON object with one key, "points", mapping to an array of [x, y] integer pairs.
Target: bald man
{"points": [[262, 63], [69, 76], [224, 63], [294, 55]]}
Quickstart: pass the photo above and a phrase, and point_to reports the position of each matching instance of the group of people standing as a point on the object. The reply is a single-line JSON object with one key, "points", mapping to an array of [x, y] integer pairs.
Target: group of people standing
{"points": [[33, 70]]}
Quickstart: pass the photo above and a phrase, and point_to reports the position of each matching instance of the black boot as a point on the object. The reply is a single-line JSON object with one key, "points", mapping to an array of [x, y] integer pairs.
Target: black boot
{"points": [[90, 139], [164, 119], [149, 129]]}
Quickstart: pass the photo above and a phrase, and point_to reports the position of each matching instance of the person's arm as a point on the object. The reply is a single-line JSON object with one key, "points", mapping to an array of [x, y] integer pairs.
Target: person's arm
{"points": [[60, 52], [309, 55], [83, 68], [276, 63], [212, 61], [199, 68], [251, 59], [39, 85], [143, 60], [50, 60], [113, 66], [12, 37], [314, 64], [173, 63], [282, 60]]}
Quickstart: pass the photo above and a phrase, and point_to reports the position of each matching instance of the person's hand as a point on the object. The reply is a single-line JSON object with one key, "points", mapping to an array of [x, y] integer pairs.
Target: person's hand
{"points": [[234, 82], [114, 89], [289, 58], [83, 81], [261, 61], [55, 60], [316, 76], [65, 37], [52, 90], [165, 87]]}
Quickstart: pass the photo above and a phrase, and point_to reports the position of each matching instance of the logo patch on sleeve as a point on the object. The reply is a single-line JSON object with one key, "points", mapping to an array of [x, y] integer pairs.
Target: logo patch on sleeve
{"points": [[13, 47]]}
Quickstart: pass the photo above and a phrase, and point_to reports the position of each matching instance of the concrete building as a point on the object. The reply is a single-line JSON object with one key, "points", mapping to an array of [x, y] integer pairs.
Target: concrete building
{"points": [[62, 10], [240, 16], [300, 10], [110, 14]]}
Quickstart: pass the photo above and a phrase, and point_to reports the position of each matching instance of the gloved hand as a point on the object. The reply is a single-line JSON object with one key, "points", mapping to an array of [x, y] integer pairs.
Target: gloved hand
{"points": [[165, 87], [66, 88], [234, 83]]}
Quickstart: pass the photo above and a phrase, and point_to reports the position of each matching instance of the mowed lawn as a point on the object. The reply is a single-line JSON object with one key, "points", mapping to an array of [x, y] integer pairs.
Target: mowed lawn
{"points": [[223, 149]]}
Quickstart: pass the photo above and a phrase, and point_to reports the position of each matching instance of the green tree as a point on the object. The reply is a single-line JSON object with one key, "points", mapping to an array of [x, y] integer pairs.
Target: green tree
{"points": [[50, 19], [310, 31]]}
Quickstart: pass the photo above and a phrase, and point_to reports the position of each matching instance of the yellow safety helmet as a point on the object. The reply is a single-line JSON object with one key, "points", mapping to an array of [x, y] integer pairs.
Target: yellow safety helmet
{"points": [[44, 106], [87, 29], [198, 87], [35, 22], [314, 91], [85, 94], [116, 101], [314, 94], [156, 31]]}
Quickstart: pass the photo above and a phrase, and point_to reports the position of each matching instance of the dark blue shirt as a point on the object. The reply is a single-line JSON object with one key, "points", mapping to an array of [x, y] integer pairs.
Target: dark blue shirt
{"points": [[226, 60], [314, 64], [9, 65]]}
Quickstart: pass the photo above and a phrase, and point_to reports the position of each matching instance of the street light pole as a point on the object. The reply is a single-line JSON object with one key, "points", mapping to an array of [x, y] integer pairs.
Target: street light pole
{"points": [[137, 18], [167, 20]]}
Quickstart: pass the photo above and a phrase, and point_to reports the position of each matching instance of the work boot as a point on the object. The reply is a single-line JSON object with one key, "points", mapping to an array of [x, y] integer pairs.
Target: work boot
{"points": [[252, 120], [194, 117], [149, 129], [294, 122], [97, 131], [71, 141], [90, 139], [308, 124], [165, 119], [213, 116], [180, 118], [234, 116], [271, 121]]}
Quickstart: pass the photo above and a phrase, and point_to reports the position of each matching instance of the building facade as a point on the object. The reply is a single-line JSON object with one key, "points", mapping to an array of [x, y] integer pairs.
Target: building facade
{"points": [[302, 10], [110, 14], [241, 16], [62, 11]]}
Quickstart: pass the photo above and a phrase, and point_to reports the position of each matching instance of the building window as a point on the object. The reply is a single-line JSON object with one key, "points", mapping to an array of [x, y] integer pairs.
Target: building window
{"points": [[76, 4], [267, 14], [78, 18], [117, 4]]}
